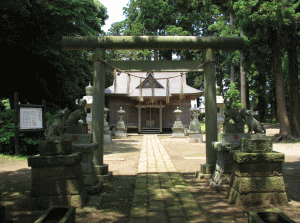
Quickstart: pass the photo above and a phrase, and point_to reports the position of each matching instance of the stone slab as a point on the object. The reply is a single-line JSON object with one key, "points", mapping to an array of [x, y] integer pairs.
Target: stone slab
{"points": [[241, 157], [267, 215], [261, 145], [85, 147], [235, 138], [59, 160]]}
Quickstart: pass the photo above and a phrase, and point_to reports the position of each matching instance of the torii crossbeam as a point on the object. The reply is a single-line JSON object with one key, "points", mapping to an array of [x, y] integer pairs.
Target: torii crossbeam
{"points": [[101, 43]]}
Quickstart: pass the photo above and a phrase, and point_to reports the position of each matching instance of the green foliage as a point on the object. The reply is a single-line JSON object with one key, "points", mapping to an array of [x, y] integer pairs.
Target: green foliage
{"points": [[50, 117], [8, 127], [29, 142], [234, 95], [6, 103]]}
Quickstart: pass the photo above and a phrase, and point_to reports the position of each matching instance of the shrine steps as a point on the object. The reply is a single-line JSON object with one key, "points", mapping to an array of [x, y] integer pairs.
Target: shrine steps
{"points": [[150, 131]]}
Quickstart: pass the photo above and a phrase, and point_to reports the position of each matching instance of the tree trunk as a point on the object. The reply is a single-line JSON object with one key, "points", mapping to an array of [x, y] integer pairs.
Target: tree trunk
{"points": [[232, 73], [243, 82], [294, 106], [285, 128]]}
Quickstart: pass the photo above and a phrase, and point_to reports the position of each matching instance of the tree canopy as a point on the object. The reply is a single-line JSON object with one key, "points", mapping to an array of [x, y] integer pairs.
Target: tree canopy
{"points": [[31, 35]]}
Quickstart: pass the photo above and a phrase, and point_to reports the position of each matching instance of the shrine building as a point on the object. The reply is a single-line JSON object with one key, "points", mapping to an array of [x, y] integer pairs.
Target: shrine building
{"points": [[149, 99]]}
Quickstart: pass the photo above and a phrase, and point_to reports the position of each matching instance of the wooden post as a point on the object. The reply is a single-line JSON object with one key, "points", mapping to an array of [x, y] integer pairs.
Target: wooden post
{"points": [[17, 114]]}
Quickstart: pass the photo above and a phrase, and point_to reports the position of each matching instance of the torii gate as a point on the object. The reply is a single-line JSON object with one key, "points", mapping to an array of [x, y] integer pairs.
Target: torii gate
{"points": [[101, 43]]}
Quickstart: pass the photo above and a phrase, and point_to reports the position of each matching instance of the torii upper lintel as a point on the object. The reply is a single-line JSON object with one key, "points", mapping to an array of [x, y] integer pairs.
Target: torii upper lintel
{"points": [[152, 42]]}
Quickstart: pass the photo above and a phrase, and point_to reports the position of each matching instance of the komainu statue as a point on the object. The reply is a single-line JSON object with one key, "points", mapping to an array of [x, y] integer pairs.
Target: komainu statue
{"points": [[232, 113], [75, 122], [252, 123], [56, 128]]}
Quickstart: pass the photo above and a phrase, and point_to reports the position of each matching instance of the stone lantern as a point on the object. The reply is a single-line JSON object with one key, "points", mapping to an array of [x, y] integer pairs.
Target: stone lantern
{"points": [[220, 105], [178, 128], [107, 132], [194, 131], [121, 130], [88, 106]]}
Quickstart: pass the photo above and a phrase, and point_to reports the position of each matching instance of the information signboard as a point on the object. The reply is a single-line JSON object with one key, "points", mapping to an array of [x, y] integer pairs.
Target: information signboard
{"points": [[31, 118]]}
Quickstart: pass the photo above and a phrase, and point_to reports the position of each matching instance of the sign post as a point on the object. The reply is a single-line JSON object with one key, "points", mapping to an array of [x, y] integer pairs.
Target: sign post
{"points": [[28, 118]]}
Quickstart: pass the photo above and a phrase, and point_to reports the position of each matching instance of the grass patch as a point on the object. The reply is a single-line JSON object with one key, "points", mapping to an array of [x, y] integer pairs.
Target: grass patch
{"points": [[4, 157]]}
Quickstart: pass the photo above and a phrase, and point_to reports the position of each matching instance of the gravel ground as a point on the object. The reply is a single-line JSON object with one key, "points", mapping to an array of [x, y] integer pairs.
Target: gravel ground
{"points": [[122, 157]]}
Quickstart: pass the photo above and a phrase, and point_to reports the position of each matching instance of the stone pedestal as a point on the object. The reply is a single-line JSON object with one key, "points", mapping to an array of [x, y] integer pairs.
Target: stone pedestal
{"points": [[194, 132], [226, 143], [178, 130], [107, 134], [121, 130], [57, 180], [83, 143], [195, 137], [257, 177]]}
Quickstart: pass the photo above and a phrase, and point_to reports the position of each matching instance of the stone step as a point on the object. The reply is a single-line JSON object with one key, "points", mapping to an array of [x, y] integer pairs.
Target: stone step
{"points": [[150, 131]]}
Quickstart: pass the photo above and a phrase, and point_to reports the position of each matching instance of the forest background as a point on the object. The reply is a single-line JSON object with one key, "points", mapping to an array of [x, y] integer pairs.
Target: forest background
{"points": [[266, 72]]}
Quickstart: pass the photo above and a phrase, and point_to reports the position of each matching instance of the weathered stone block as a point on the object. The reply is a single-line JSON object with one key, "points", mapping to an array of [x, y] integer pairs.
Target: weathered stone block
{"points": [[90, 179], [262, 145], [48, 173], [258, 184], [51, 148], [60, 160], [283, 199], [64, 187], [77, 201], [241, 157], [256, 199], [73, 172], [257, 169], [87, 168]]}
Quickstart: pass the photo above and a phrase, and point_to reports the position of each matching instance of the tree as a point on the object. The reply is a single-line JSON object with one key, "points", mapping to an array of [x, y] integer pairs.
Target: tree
{"points": [[31, 37], [264, 22]]}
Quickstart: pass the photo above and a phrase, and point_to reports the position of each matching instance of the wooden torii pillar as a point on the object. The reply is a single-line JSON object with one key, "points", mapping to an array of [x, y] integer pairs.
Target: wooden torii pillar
{"points": [[101, 43]]}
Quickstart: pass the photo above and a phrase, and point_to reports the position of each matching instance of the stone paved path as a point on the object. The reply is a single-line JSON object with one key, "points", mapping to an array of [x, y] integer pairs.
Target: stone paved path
{"points": [[161, 194]]}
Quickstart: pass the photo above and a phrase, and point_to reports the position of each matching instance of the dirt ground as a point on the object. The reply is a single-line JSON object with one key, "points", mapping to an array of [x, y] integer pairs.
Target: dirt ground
{"points": [[122, 158]]}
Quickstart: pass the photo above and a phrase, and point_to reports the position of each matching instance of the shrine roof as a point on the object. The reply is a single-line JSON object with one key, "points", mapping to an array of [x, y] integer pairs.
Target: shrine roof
{"points": [[161, 79]]}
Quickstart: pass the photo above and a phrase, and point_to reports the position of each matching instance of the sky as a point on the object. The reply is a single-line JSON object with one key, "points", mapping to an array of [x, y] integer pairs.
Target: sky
{"points": [[114, 11]]}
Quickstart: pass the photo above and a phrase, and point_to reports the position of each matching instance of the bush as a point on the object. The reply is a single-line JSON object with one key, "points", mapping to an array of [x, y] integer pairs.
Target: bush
{"points": [[29, 141]]}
